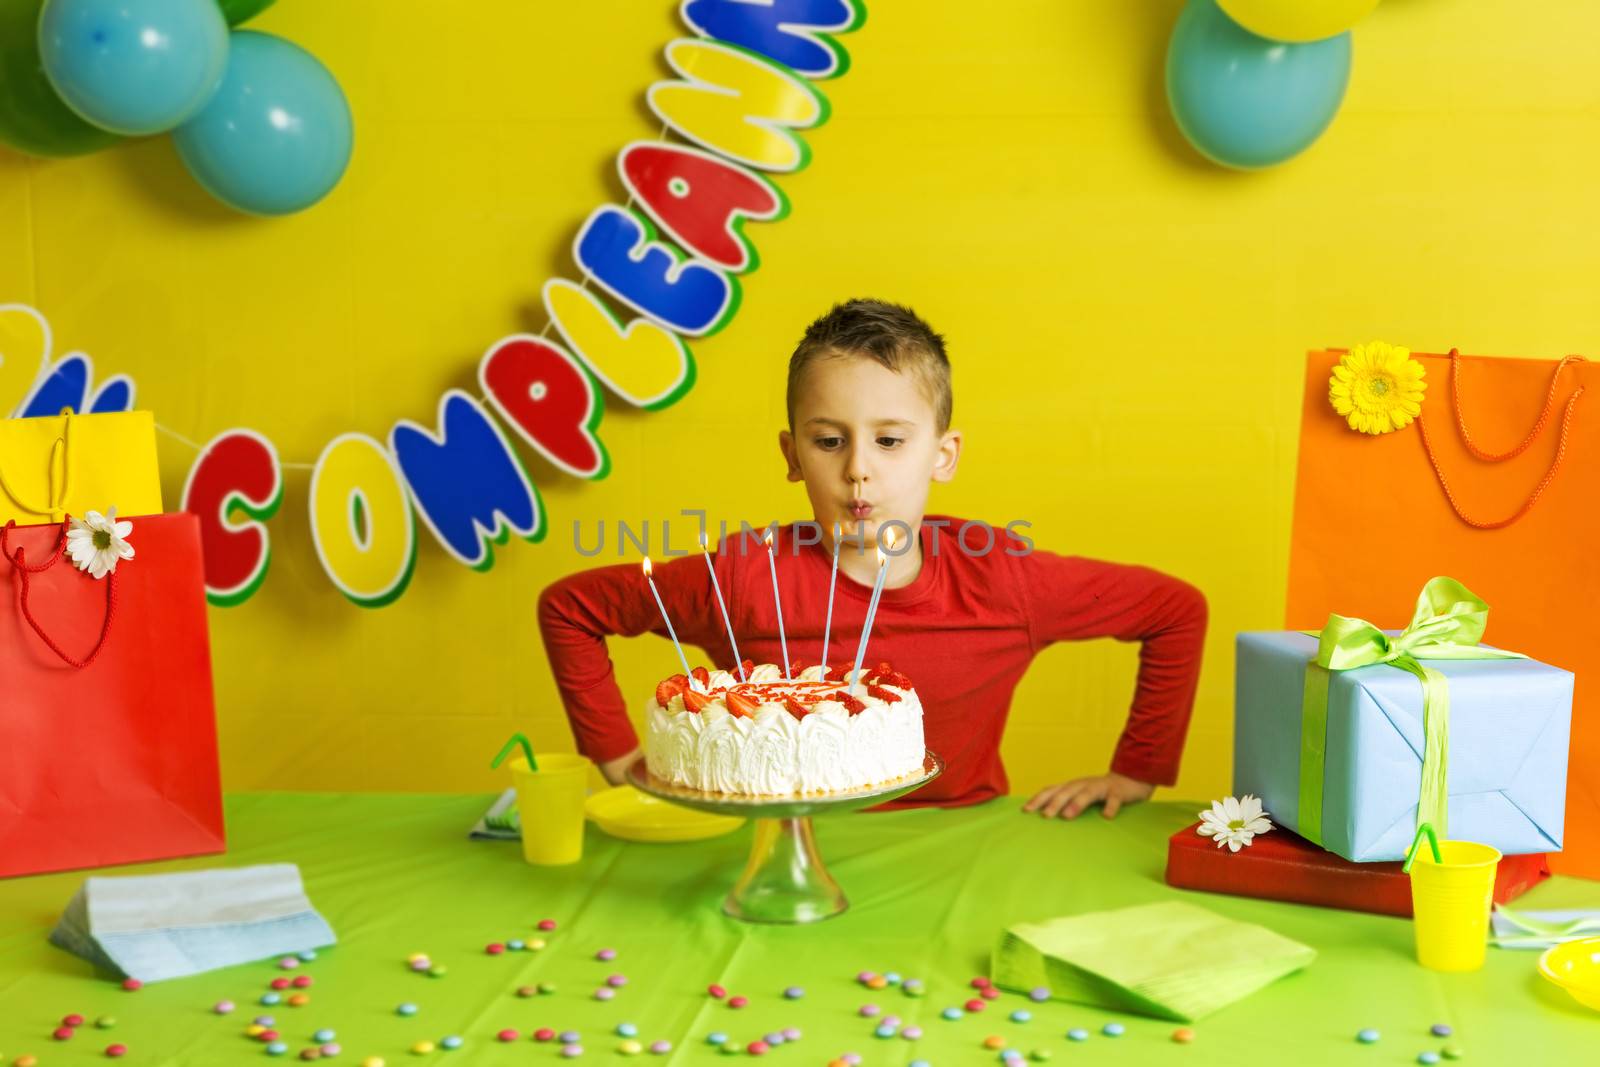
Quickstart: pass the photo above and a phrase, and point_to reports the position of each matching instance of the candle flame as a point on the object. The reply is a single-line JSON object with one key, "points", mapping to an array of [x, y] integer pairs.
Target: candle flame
{"points": [[647, 566], [766, 538], [703, 543]]}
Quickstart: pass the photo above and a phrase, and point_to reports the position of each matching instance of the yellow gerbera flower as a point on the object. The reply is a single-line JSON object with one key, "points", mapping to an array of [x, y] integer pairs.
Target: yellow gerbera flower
{"points": [[1377, 387]]}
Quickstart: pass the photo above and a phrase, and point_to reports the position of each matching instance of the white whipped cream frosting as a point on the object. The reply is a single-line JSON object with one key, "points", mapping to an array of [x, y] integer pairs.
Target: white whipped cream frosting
{"points": [[772, 753]]}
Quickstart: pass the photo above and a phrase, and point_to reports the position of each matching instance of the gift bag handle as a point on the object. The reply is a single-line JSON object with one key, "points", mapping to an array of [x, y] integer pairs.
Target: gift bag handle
{"points": [[23, 569], [1492, 457], [57, 492]]}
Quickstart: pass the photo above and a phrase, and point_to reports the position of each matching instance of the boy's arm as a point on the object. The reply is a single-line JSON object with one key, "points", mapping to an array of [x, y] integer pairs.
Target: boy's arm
{"points": [[1072, 598], [578, 612]]}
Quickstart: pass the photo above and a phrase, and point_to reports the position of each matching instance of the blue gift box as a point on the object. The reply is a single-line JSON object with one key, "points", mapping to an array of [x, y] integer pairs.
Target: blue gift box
{"points": [[1508, 736]]}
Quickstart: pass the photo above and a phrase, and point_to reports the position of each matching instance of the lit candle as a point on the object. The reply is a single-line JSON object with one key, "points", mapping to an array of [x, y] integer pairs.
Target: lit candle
{"points": [[872, 609], [670, 631], [833, 579], [772, 563], [739, 663]]}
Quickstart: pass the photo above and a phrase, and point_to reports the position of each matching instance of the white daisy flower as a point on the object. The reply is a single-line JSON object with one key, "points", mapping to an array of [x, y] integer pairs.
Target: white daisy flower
{"points": [[1234, 821], [97, 542]]}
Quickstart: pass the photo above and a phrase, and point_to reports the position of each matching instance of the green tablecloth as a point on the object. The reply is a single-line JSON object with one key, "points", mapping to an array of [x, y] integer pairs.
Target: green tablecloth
{"points": [[930, 892]]}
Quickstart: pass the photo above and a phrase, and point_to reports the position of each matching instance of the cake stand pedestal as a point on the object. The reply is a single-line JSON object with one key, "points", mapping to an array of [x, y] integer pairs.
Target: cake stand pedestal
{"points": [[784, 880]]}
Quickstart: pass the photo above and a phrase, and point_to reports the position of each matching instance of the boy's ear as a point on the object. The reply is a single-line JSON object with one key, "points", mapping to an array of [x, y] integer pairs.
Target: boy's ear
{"points": [[790, 456], [949, 454]]}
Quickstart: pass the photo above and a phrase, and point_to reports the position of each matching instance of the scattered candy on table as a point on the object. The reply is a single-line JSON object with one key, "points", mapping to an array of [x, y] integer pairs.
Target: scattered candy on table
{"points": [[323, 1036], [494, 948], [738, 1002], [794, 992], [952, 1013], [1368, 1037], [757, 1048], [660, 1048], [1183, 1035], [508, 1035], [450, 1042], [1021, 1015], [617, 981], [115, 1051], [717, 991], [223, 1007], [994, 1041], [422, 1048], [407, 1008], [547, 924], [604, 993], [302, 981], [627, 1030], [869, 1011], [299, 1000], [278, 983], [289, 963], [630, 1048], [1428, 1057], [606, 955], [1113, 1029], [572, 1051], [544, 1033], [1440, 1030], [976, 1004], [130, 984], [277, 1048], [570, 1037], [106, 1022], [1076, 1034]]}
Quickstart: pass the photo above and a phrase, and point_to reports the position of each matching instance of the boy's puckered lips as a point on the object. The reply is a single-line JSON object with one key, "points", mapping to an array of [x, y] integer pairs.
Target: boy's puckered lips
{"points": [[860, 509]]}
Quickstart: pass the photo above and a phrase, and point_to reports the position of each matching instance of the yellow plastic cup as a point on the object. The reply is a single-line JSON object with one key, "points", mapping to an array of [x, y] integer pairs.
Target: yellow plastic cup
{"points": [[1450, 902], [550, 807]]}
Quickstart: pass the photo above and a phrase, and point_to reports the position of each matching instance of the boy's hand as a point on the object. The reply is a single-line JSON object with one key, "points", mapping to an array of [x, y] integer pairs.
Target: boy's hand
{"points": [[616, 771], [1111, 790]]}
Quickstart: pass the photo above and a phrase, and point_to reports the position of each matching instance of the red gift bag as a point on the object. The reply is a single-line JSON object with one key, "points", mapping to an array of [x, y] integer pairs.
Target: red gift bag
{"points": [[108, 739]]}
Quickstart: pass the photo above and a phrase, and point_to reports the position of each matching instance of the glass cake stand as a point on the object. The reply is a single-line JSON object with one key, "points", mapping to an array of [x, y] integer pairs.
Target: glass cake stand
{"points": [[785, 880]]}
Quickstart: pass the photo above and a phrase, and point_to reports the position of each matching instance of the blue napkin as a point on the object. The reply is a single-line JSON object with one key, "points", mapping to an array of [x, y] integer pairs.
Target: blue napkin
{"points": [[1541, 929], [154, 927]]}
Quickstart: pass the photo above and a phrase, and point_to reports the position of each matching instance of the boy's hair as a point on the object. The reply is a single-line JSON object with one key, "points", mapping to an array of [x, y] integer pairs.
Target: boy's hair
{"points": [[892, 334]]}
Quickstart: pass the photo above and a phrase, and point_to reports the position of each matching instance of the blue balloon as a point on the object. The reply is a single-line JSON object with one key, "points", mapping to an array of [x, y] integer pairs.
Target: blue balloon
{"points": [[1245, 101], [276, 136], [133, 67]]}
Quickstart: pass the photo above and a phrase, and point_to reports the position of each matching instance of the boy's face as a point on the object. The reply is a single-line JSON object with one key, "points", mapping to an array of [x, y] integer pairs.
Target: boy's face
{"points": [[867, 444]]}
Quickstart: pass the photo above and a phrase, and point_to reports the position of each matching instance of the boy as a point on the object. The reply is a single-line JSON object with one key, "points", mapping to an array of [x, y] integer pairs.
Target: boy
{"points": [[964, 607]]}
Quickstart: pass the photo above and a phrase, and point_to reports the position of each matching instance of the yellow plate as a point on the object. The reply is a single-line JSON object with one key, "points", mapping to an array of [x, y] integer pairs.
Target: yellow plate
{"points": [[1575, 967], [634, 816]]}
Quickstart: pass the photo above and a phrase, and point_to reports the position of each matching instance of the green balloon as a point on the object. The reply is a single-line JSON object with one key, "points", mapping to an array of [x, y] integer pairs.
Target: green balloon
{"points": [[237, 11], [32, 117]]}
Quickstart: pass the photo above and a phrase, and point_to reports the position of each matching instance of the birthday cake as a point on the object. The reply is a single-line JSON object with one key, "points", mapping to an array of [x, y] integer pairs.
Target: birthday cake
{"points": [[767, 736]]}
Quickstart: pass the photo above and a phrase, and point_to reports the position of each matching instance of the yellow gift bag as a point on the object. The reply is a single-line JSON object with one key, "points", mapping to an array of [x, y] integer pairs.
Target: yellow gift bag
{"points": [[71, 464]]}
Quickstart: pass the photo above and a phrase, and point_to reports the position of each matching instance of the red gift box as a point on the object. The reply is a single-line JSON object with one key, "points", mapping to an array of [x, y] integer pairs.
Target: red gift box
{"points": [[1279, 865]]}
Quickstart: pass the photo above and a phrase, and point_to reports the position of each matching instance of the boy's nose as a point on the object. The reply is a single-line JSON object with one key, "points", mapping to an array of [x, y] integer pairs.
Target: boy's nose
{"points": [[856, 466]]}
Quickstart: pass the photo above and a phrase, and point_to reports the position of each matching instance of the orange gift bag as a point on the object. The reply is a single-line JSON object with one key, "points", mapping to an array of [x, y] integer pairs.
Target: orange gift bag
{"points": [[1497, 484]]}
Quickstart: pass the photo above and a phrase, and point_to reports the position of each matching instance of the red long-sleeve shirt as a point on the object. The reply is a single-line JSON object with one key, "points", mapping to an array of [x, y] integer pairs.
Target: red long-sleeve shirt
{"points": [[963, 631]]}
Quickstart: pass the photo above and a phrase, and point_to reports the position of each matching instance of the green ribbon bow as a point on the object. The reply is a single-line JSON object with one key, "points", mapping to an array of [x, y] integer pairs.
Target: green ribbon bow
{"points": [[1448, 624]]}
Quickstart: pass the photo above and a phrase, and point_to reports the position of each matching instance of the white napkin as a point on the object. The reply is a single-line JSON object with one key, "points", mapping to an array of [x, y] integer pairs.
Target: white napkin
{"points": [[153, 927]]}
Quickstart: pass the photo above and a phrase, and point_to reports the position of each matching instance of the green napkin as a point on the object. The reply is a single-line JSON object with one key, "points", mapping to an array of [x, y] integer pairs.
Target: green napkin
{"points": [[1170, 960]]}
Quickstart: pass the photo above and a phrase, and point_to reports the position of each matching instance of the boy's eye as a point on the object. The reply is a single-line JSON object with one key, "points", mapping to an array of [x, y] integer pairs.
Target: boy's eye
{"points": [[829, 442], [890, 442]]}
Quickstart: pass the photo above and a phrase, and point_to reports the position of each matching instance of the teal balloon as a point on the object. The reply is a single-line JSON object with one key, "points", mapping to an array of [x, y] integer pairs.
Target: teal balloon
{"points": [[1245, 101], [276, 136], [237, 11], [133, 67], [32, 117]]}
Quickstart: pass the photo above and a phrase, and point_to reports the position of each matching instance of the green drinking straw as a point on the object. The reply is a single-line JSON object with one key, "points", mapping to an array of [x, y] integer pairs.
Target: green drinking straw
{"points": [[527, 751], [1433, 843]]}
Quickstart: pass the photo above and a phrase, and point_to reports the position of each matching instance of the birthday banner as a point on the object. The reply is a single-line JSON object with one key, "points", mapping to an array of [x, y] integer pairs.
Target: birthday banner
{"points": [[672, 255]]}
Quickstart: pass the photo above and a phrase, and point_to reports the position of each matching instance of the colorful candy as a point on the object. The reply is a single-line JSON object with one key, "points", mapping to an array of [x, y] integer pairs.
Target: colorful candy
{"points": [[911, 1033], [223, 1007], [975, 1004], [604, 993], [1021, 1015], [407, 1008], [884, 1030], [289, 963], [526, 991], [1440, 1030], [1076, 1034], [738, 1002], [74, 1020], [913, 988], [302, 981], [1183, 1035], [536, 944], [627, 1030], [546, 988], [630, 1048], [794, 992], [716, 991], [1451, 1052], [994, 1041], [989, 992], [451, 1042], [716, 1037], [660, 1048], [507, 1035], [269, 999], [330, 1049], [299, 1000], [1368, 1037], [63, 1033], [1428, 1057], [277, 1048], [279, 983], [494, 948], [130, 984], [1039, 995], [572, 1052], [791, 1033], [757, 1048], [106, 1022], [422, 1048], [544, 1033], [307, 954], [1113, 1029], [952, 1014], [570, 1037], [617, 981], [547, 924], [323, 1036], [606, 955], [516, 946]]}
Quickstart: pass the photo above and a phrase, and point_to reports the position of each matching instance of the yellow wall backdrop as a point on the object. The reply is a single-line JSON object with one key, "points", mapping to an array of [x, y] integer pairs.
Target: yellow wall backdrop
{"points": [[1127, 322]]}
